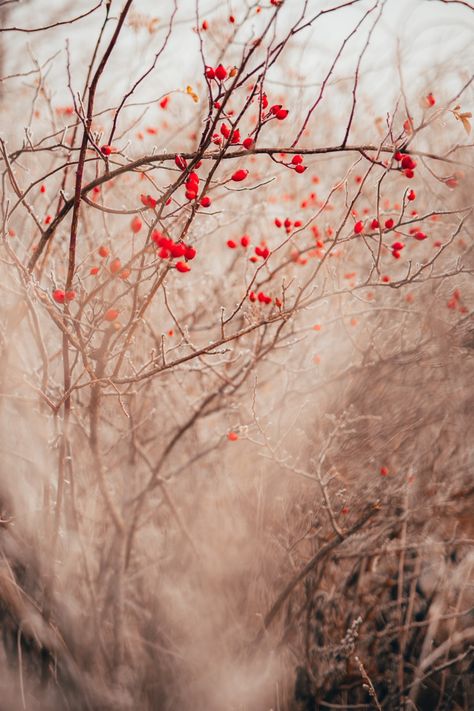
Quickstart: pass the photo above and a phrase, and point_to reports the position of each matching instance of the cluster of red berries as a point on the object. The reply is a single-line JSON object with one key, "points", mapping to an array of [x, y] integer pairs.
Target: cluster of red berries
{"points": [[407, 164], [276, 111], [455, 302], [287, 224], [192, 186], [263, 298], [234, 136], [396, 249], [296, 164], [148, 201], [244, 242], [418, 234], [192, 181], [60, 296], [219, 73], [173, 250]]}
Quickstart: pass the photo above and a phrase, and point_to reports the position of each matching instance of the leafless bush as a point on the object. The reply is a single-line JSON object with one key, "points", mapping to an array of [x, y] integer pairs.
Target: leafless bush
{"points": [[236, 355]]}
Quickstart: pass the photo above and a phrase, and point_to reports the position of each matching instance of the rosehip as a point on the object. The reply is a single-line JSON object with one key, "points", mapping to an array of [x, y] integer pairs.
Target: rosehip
{"points": [[59, 296], [136, 225], [189, 253], [111, 314], [115, 266], [180, 162], [183, 267], [281, 114], [359, 227], [221, 72], [239, 175]]}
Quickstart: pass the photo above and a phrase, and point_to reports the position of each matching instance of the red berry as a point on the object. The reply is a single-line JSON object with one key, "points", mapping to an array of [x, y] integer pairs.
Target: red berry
{"points": [[389, 224], [59, 296], [106, 150], [231, 244], [221, 72], [104, 251], [411, 195], [111, 314], [281, 114], [206, 201], [297, 159], [384, 471], [420, 236], [94, 271], [136, 225], [183, 267], [247, 143], [374, 225], [239, 175], [359, 227], [408, 163], [300, 168], [245, 241], [180, 162], [70, 295], [115, 266], [189, 253], [177, 250], [262, 252], [210, 73], [148, 200]]}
